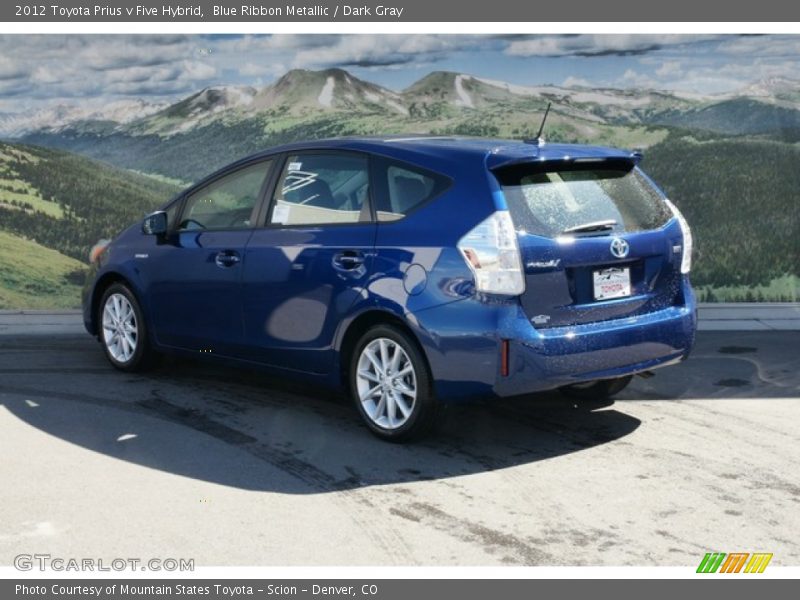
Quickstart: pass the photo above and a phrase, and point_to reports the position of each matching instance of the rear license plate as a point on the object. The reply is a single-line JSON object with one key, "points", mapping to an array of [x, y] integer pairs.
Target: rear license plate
{"points": [[612, 283]]}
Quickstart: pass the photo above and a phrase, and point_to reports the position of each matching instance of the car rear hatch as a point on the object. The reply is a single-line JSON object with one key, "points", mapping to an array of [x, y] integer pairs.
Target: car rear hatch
{"points": [[597, 240]]}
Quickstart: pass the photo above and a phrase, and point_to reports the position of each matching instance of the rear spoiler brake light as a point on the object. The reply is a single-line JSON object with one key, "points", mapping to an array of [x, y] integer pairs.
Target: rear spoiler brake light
{"points": [[620, 161]]}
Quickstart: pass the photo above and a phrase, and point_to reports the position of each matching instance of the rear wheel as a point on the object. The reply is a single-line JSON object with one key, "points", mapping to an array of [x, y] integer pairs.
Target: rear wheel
{"points": [[391, 387], [123, 332], [597, 390]]}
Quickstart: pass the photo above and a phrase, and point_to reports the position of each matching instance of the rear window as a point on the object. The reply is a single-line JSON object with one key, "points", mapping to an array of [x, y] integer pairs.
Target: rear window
{"points": [[553, 202]]}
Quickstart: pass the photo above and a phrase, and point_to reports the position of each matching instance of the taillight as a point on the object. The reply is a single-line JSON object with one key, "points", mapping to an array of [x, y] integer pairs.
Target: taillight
{"points": [[688, 243], [492, 253]]}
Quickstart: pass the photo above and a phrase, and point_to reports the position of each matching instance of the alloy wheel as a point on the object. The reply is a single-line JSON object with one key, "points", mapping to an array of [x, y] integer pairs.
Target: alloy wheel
{"points": [[120, 330], [386, 383]]}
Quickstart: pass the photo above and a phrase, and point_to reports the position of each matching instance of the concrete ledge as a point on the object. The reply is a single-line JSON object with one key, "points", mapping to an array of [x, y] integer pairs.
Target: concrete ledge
{"points": [[749, 316], [41, 322], [32, 311]]}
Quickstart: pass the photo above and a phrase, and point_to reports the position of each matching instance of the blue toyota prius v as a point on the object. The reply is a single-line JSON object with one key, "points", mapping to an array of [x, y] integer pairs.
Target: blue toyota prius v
{"points": [[411, 271]]}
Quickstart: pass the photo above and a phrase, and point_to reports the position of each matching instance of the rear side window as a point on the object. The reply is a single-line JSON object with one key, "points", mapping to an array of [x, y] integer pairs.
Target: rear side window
{"points": [[402, 188], [320, 189], [228, 202], [553, 202]]}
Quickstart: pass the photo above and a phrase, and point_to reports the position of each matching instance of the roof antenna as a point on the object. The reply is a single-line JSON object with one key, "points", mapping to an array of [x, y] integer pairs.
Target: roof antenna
{"points": [[539, 140]]}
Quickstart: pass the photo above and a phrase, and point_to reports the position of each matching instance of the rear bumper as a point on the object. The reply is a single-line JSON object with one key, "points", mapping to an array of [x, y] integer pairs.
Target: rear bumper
{"points": [[561, 356], [465, 359]]}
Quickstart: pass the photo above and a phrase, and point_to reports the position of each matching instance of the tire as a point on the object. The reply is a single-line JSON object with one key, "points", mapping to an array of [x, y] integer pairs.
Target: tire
{"points": [[122, 330], [597, 390], [380, 396]]}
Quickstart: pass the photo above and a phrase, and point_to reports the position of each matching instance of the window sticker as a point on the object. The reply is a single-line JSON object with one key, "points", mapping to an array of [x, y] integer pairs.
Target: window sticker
{"points": [[296, 180], [280, 214], [294, 166]]}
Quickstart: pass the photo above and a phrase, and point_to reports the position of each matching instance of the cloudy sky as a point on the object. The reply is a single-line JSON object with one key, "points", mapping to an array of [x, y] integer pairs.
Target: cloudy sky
{"points": [[49, 69]]}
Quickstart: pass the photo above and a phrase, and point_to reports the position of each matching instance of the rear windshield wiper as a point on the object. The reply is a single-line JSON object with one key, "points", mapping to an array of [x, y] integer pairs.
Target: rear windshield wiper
{"points": [[593, 226]]}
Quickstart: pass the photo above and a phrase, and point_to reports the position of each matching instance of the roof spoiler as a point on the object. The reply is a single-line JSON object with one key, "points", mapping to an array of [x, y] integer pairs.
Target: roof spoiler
{"points": [[628, 160]]}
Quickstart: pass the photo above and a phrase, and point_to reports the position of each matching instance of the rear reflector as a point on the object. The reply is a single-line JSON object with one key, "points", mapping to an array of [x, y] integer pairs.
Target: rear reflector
{"points": [[504, 358]]}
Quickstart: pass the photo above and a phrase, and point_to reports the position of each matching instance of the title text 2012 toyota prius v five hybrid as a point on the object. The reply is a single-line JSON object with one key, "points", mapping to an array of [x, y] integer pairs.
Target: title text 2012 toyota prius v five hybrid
{"points": [[412, 271]]}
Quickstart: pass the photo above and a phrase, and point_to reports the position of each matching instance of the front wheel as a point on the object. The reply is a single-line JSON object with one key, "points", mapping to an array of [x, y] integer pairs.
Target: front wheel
{"points": [[123, 332], [391, 387], [597, 390]]}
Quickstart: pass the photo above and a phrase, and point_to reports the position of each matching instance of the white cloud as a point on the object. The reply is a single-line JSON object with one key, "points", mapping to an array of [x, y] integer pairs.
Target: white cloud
{"points": [[262, 69], [576, 82], [599, 44], [195, 70], [754, 46], [289, 41], [10, 69], [74, 66], [669, 69], [115, 52], [635, 79], [45, 74], [378, 50]]}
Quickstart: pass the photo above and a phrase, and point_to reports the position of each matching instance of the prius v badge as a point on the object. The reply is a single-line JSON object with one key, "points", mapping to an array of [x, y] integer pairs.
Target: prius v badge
{"points": [[543, 264], [620, 247]]}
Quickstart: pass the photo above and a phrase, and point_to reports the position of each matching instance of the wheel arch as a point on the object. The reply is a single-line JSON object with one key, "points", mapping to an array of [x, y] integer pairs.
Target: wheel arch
{"points": [[103, 283], [360, 325]]}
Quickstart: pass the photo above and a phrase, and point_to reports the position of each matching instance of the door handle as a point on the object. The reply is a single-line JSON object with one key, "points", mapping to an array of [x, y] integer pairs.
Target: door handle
{"points": [[227, 258], [348, 260]]}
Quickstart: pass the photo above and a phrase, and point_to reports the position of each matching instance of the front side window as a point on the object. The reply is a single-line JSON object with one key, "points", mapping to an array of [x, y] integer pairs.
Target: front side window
{"points": [[228, 202], [320, 189]]}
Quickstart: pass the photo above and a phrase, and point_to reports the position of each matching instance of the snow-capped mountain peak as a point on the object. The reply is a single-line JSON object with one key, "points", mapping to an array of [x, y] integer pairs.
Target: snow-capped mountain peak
{"points": [[59, 116]]}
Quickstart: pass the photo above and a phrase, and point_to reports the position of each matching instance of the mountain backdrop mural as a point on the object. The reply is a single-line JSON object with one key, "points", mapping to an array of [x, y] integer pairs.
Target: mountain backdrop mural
{"points": [[72, 172]]}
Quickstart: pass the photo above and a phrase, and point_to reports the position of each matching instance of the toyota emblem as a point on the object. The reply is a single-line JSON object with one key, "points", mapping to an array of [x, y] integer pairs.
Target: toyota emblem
{"points": [[619, 248]]}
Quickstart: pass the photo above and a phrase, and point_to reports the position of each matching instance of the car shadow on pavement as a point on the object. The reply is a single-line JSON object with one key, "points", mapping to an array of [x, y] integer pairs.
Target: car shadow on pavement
{"points": [[251, 431]]}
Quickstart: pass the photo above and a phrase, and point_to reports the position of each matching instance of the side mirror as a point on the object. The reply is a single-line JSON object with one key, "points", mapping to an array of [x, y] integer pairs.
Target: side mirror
{"points": [[155, 223]]}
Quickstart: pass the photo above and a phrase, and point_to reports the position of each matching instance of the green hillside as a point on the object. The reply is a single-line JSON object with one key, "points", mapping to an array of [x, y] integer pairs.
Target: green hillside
{"points": [[736, 116], [67, 202], [187, 156], [38, 277], [742, 198], [53, 207]]}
